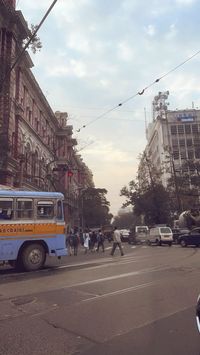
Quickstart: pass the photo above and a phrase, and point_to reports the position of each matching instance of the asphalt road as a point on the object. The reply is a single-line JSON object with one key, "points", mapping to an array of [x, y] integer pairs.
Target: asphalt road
{"points": [[140, 303]]}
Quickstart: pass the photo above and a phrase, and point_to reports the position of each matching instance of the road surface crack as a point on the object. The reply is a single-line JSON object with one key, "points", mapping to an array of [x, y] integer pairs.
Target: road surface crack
{"points": [[69, 331]]}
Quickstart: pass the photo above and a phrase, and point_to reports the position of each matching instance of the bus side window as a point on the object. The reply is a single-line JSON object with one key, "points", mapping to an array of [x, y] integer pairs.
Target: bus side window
{"points": [[45, 210], [59, 210], [24, 209], [6, 209]]}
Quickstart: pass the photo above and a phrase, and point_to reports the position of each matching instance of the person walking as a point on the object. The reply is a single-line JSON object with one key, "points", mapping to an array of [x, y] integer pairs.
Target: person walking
{"points": [[75, 242], [116, 241], [100, 240], [70, 242], [86, 241], [93, 240]]}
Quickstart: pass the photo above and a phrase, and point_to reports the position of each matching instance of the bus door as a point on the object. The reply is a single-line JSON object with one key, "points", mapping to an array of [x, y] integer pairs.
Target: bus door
{"points": [[7, 228]]}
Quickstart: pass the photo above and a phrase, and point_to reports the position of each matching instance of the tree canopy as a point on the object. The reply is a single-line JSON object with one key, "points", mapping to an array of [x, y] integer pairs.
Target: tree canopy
{"points": [[126, 220], [153, 202], [95, 207], [147, 195]]}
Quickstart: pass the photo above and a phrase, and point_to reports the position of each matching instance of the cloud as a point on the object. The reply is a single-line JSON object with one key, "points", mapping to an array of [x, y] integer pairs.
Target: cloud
{"points": [[78, 42], [172, 32], [185, 2], [108, 152], [97, 54], [125, 51], [150, 30]]}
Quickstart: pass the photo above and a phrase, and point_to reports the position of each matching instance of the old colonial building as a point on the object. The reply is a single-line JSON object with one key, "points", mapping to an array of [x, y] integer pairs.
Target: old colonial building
{"points": [[37, 148]]}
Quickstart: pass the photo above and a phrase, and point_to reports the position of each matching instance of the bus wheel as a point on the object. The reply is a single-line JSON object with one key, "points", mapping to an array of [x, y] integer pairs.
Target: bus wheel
{"points": [[33, 257]]}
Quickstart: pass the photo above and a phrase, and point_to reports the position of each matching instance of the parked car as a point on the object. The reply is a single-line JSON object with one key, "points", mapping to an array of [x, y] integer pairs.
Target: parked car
{"points": [[177, 232], [191, 238], [141, 233], [160, 235], [125, 235]]}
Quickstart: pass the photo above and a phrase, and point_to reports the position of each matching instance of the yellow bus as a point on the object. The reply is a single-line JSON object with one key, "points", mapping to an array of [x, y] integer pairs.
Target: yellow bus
{"points": [[31, 227]]}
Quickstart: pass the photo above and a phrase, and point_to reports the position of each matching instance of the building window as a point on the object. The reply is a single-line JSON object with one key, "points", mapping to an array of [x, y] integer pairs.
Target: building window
{"points": [[183, 154], [190, 154], [195, 128], [197, 153], [37, 126], [187, 128], [192, 169], [197, 142], [176, 154], [174, 143], [173, 130], [181, 129], [24, 95], [184, 169], [195, 180], [189, 142], [30, 116], [13, 144], [182, 142], [28, 160]]}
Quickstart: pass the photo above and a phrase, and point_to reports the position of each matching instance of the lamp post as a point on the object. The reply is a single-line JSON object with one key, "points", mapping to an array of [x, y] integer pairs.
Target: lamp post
{"points": [[80, 207]]}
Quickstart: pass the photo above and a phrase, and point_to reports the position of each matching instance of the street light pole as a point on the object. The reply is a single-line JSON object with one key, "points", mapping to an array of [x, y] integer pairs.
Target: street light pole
{"points": [[80, 207]]}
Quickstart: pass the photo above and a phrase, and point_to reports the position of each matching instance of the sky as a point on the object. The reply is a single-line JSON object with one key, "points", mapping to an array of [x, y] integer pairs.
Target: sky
{"points": [[96, 54]]}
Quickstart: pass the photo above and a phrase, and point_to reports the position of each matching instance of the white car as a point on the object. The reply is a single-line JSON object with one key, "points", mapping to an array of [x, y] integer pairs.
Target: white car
{"points": [[125, 235]]}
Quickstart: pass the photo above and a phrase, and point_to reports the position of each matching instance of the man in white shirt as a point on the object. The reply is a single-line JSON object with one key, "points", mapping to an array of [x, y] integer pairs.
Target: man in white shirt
{"points": [[116, 241]]}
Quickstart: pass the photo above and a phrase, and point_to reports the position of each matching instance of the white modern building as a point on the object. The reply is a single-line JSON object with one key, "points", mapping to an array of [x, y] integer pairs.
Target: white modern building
{"points": [[172, 137]]}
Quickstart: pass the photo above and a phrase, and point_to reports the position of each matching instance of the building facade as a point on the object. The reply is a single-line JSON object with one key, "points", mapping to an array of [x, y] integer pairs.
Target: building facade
{"points": [[37, 148], [173, 138]]}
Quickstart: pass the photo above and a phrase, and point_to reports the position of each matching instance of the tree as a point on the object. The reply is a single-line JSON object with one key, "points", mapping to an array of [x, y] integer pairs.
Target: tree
{"points": [[153, 202], [126, 220], [187, 179], [95, 207], [147, 194], [35, 44]]}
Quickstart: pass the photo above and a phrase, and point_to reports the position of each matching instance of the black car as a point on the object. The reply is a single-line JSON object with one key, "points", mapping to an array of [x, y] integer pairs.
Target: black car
{"points": [[127, 236], [177, 232], [191, 238], [124, 235]]}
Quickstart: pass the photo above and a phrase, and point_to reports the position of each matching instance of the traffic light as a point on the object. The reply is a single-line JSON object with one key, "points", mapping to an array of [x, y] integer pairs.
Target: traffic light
{"points": [[69, 173]]}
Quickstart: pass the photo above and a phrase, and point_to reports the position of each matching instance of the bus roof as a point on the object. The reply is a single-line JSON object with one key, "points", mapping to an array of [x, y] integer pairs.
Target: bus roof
{"points": [[36, 194]]}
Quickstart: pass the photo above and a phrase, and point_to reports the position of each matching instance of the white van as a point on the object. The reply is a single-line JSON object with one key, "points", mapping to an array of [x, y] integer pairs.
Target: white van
{"points": [[160, 235], [141, 233]]}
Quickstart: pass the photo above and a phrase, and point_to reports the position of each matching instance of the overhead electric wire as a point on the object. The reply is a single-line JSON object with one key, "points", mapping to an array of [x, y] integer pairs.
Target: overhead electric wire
{"points": [[139, 92], [26, 46]]}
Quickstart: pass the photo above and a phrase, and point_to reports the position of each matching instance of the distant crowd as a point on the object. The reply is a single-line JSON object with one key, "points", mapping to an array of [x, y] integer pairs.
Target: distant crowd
{"points": [[92, 241]]}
